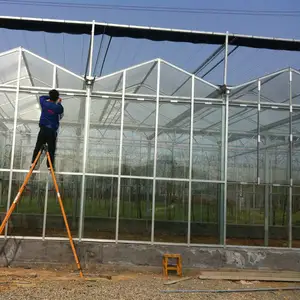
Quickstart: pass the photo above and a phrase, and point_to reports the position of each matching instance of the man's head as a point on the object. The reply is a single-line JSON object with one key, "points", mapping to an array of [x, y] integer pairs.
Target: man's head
{"points": [[54, 95]]}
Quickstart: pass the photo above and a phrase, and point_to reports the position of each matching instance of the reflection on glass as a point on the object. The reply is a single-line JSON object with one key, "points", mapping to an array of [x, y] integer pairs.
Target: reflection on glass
{"points": [[206, 142], [69, 187], [135, 209], [206, 199], [27, 218], [173, 142], [171, 211], [138, 147], [100, 207]]}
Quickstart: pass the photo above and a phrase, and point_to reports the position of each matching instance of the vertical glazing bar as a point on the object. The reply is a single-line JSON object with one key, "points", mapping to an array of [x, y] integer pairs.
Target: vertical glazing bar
{"points": [[45, 209], [267, 193], [225, 169], [86, 133], [120, 156], [223, 202], [54, 77], [258, 133], [84, 159], [191, 161], [290, 166], [91, 49], [155, 150], [14, 135]]}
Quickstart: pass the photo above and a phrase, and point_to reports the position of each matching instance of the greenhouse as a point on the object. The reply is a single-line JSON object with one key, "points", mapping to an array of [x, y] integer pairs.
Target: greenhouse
{"points": [[153, 154]]}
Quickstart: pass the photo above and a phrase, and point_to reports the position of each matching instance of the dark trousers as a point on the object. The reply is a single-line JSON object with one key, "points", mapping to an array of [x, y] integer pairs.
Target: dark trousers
{"points": [[46, 136]]}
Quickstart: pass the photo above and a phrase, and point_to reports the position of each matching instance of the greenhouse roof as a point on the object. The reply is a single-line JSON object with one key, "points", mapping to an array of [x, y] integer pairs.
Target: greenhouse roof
{"points": [[38, 75]]}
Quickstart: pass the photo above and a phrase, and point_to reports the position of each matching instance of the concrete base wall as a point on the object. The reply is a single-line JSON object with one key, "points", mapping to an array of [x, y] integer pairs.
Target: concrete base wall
{"points": [[18, 252]]}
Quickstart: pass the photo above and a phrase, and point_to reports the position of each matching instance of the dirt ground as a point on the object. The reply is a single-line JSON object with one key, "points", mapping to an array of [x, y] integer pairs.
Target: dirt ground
{"points": [[111, 283]]}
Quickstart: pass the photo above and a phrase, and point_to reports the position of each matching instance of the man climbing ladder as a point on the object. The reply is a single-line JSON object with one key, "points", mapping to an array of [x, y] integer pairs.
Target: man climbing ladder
{"points": [[52, 112]]}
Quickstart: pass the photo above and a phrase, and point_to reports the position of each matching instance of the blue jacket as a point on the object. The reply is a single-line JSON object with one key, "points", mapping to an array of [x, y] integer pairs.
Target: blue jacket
{"points": [[51, 114]]}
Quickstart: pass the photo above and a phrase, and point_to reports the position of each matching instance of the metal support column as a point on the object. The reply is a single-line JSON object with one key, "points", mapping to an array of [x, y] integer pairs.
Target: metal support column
{"points": [[155, 150], [224, 156], [223, 221], [290, 165], [267, 194], [258, 133], [120, 156], [14, 135], [84, 158], [191, 161], [89, 82]]}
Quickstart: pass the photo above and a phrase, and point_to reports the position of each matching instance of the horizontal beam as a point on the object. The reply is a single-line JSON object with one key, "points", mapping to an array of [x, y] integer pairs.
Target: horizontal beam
{"points": [[145, 129], [145, 32]]}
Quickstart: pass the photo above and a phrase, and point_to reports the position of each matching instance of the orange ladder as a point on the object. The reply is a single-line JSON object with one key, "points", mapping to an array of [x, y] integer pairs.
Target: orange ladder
{"points": [[18, 197]]}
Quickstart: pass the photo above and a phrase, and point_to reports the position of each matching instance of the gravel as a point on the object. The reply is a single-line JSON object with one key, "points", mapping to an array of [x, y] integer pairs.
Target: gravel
{"points": [[50, 285]]}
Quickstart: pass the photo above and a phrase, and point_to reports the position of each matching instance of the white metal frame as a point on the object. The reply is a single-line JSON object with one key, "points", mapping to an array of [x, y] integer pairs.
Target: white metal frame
{"points": [[157, 98]]}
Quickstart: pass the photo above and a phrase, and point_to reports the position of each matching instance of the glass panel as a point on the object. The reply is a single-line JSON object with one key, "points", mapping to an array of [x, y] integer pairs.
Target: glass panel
{"points": [[7, 103], [3, 162], [138, 150], [27, 130], [203, 89], [65, 80], [173, 140], [245, 93], [245, 214], [295, 88], [4, 184], [274, 127], [206, 144], [135, 209], [104, 136], [278, 216], [9, 68], [69, 188], [174, 82], [7, 106], [296, 217], [100, 207], [295, 147], [171, 211], [275, 89], [142, 79], [74, 108], [206, 199], [70, 137], [27, 218], [111, 83], [39, 71], [242, 144]]}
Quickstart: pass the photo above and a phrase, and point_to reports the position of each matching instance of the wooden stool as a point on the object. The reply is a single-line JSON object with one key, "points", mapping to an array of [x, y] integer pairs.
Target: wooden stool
{"points": [[167, 267]]}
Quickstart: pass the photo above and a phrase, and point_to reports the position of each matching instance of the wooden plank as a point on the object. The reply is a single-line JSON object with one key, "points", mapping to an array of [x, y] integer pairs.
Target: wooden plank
{"points": [[177, 280], [251, 276]]}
